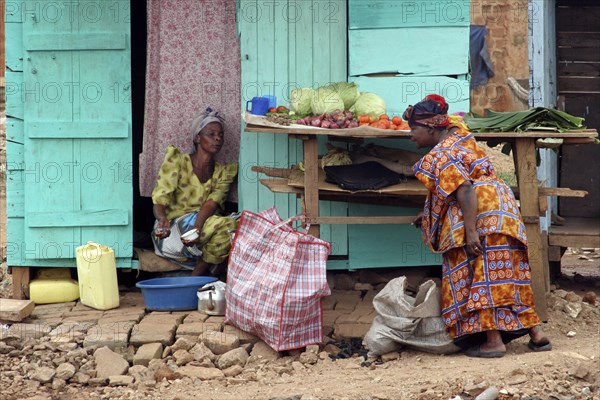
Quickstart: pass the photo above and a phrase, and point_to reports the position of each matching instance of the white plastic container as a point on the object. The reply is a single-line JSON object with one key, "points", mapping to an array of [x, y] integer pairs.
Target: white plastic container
{"points": [[97, 275]]}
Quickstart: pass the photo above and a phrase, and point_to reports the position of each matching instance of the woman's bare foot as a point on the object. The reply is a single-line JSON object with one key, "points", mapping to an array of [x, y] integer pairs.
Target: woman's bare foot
{"points": [[492, 348], [201, 268], [539, 341]]}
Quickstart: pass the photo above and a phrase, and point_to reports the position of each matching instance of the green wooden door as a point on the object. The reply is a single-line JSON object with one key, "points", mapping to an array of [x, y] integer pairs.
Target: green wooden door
{"points": [[77, 129]]}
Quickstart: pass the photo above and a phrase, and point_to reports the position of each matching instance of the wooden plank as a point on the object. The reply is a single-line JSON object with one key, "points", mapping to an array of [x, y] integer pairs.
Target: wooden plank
{"points": [[77, 129], [14, 94], [368, 132], [554, 253], [77, 218], [399, 92], [578, 39], [15, 310], [364, 14], [366, 220], [577, 226], [280, 186], [579, 84], [21, 278], [577, 19], [75, 41], [369, 51], [543, 205], [311, 183], [15, 203], [527, 176], [14, 47], [580, 167], [578, 55], [561, 192], [566, 68], [411, 187], [15, 130], [574, 241]]}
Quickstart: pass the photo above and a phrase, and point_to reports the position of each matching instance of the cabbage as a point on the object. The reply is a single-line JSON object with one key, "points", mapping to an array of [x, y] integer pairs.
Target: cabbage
{"points": [[300, 101], [348, 91], [369, 104], [326, 100]]}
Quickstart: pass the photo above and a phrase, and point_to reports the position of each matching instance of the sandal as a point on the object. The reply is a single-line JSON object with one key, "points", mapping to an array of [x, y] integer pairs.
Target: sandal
{"points": [[544, 345], [475, 351]]}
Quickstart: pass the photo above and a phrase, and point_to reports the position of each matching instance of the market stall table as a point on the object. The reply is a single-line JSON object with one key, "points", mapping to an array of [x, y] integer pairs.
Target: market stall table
{"points": [[524, 153]]}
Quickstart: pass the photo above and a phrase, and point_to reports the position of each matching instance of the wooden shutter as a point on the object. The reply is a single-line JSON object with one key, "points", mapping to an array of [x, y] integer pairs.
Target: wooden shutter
{"points": [[77, 127]]}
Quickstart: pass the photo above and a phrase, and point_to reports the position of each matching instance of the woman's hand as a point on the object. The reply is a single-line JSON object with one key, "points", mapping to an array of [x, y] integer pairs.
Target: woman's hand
{"points": [[163, 228], [194, 242], [473, 246], [418, 221]]}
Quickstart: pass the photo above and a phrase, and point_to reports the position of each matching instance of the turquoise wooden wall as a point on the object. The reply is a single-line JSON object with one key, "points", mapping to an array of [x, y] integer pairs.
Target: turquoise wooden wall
{"points": [[68, 130], [404, 50], [421, 46], [287, 44]]}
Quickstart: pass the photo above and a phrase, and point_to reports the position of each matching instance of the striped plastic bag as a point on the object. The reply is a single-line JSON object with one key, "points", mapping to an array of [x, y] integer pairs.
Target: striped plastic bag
{"points": [[275, 281]]}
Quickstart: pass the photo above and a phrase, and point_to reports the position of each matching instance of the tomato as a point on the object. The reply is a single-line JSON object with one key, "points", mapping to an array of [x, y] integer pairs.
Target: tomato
{"points": [[273, 109], [384, 117], [281, 109], [397, 120]]}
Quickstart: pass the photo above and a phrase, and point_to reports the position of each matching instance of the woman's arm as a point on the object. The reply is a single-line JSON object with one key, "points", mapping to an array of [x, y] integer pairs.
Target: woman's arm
{"points": [[163, 229], [467, 199], [208, 209]]}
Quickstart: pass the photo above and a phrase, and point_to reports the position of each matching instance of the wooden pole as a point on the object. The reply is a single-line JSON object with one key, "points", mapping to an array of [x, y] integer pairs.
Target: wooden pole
{"points": [[20, 282], [311, 182], [530, 208]]}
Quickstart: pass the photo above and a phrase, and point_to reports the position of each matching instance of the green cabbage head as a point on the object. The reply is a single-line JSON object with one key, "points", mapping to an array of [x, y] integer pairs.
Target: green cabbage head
{"points": [[348, 91], [300, 101], [369, 104], [326, 100]]}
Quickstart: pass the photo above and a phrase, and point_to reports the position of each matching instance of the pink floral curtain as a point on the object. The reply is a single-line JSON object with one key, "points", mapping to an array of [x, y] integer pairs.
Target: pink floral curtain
{"points": [[193, 63]]}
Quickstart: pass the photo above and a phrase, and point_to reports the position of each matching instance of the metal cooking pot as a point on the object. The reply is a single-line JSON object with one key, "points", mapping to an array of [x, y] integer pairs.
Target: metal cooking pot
{"points": [[211, 298]]}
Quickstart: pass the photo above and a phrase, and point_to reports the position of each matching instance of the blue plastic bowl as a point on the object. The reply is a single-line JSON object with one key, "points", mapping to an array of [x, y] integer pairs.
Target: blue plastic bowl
{"points": [[173, 294]]}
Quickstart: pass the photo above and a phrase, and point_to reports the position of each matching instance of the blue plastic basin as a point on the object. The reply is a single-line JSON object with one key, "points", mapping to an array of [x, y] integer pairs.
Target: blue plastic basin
{"points": [[173, 294]]}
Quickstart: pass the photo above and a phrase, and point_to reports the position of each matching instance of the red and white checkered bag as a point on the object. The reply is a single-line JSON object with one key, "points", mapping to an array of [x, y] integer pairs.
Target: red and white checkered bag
{"points": [[275, 281]]}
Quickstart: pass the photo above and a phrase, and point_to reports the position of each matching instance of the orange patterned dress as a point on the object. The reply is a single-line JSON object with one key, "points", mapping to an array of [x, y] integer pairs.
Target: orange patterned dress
{"points": [[491, 291]]}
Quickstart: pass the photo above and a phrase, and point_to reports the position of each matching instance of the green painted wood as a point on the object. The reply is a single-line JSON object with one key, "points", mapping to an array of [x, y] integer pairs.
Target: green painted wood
{"points": [[415, 51], [400, 92], [80, 174], [76, 130], [387, 245], [15, 156], [75, 41], [364, 14], [15, 203], [278, 53], [14, 48], [13, 11], [14, 94], [77, 218], [248, 182], [44, 254], [15, 131]]}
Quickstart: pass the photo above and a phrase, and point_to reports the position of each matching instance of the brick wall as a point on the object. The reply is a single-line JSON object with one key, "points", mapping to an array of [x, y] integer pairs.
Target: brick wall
{"points": [[507, 23]]}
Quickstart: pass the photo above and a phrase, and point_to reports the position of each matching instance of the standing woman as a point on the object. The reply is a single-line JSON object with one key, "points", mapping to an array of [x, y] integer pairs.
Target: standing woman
{"points": [[190, 194], [472, 218]]}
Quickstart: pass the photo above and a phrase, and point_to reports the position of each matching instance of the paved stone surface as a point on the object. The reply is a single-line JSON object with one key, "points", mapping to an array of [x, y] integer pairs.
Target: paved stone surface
{"points": [[148, 332], [196, 329], [109, 363], [28, 331], [133, 315], [244, 336], [195, 317], [147, 352], [112, 335], [220, 343]]}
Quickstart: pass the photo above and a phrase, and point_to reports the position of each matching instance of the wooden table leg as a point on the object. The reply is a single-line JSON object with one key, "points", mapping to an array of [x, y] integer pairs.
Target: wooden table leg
{"points": [[311, 181], [20, 282], [530, 209]]}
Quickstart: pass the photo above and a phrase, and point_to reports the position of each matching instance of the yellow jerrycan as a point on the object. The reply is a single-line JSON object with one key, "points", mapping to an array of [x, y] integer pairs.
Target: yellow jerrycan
{"points": [[97, 276]]}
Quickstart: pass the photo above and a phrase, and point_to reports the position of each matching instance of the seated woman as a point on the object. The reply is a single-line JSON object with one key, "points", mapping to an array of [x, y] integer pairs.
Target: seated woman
{"points": [[472, 218], [189, 194]]}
